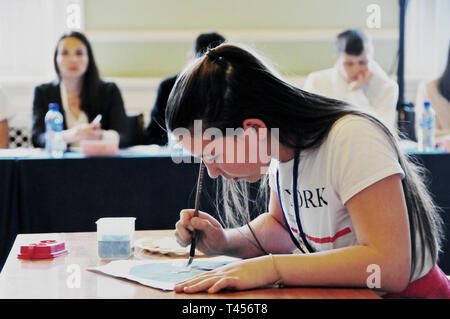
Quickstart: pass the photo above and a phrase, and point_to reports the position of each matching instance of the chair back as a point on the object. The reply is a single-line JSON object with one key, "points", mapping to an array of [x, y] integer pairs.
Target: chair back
{"points": [[135, 127]]}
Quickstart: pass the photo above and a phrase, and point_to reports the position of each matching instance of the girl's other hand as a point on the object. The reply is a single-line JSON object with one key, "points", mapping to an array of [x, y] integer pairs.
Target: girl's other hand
{"points": [[241, 275], [361, 81]]}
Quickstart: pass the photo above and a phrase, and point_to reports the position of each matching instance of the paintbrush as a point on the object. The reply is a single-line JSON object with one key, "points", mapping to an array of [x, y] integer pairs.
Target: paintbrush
{"points": [[197, 203]]}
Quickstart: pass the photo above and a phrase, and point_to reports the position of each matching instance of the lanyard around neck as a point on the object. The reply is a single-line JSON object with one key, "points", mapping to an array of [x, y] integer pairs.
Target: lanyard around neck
{"points": [[295, 198], [296, 207]]}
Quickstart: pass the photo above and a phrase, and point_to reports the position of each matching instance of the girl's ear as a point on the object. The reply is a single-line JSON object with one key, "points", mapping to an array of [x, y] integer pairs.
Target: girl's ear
{"points": [[256, 125]]}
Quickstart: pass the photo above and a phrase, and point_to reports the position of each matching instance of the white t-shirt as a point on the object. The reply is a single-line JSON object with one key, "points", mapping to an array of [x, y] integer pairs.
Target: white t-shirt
{"points": [[355, 155], [379, 96]]}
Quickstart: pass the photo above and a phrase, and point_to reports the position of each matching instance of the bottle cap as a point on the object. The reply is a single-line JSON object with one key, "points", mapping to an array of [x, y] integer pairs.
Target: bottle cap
{"points": [[426, 104], [43, 250], [53, 107]]}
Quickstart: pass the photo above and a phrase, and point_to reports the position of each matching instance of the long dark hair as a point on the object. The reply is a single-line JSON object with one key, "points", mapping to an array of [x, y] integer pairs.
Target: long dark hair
{"points": [[230, 84], [91, 78], [210, 88], [444, 81]]}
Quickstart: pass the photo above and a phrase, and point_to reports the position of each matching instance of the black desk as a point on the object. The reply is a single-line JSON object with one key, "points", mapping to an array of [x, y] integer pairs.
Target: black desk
{"points": [[39, 194]]}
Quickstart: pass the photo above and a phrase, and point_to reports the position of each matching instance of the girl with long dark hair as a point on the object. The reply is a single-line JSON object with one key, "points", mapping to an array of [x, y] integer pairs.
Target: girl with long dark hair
{"points": [[341, 191], [81, 95]]}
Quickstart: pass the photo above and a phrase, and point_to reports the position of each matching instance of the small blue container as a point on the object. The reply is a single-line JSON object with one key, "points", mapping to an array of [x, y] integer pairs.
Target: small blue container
{"points": [[115, 237]]}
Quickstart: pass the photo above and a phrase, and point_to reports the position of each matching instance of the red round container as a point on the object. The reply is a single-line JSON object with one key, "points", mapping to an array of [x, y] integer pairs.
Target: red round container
{"points": [[43, 250]]}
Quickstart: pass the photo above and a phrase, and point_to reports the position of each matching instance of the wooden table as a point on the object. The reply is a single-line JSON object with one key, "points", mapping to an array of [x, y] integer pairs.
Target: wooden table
{"points": [[51, 278]]}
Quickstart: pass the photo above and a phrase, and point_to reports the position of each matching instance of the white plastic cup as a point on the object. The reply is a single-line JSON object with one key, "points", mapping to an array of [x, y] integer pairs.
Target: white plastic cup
{"points": [[115, 237]]}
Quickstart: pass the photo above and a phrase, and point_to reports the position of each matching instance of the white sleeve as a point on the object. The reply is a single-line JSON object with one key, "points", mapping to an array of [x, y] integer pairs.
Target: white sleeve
{"points": [[357, 98], [385, 103], [361, 155], [309, 84], [383, 95]]}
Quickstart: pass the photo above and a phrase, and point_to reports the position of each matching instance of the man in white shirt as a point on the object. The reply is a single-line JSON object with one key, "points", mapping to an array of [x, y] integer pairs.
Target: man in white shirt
{"points": [[356, 78], [4, 133]]}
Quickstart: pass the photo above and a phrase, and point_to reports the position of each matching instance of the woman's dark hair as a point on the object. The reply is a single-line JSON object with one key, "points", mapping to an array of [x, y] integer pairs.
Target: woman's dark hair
{"points": [[230, 84], [444, 81], [91, 78]]}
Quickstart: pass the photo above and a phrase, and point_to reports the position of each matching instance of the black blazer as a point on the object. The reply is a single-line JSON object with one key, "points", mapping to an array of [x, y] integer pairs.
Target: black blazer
{"points": [[156, 132], [111, 107]]}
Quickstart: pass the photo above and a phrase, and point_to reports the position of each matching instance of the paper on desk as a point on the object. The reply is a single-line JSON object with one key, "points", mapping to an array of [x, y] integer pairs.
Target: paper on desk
{"points": [[161, 274]]}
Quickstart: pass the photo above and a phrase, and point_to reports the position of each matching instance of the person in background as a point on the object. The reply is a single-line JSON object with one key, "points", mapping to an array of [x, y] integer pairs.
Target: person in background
{"points": [[437, 92], [155, 132], [4, 130], [356, 78], [81, 95]]}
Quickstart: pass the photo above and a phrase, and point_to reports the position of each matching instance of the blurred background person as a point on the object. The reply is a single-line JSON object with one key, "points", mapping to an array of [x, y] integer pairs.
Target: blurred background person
{"points": [[156, 132], [437, 92], [4, 130], [81, 95], [356, 78]]}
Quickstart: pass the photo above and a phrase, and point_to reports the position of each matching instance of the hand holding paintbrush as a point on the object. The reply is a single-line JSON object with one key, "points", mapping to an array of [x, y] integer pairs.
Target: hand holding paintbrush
{"points": [[197, 204], [213, 239]]}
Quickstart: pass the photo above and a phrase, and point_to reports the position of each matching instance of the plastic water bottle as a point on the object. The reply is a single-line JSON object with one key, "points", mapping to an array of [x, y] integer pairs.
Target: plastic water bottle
{"points": [[427, 129], [54, 143]]}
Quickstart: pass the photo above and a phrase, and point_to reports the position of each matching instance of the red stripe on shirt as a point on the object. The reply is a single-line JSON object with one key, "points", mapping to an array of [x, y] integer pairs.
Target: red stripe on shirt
{"points": [[325, 240]]}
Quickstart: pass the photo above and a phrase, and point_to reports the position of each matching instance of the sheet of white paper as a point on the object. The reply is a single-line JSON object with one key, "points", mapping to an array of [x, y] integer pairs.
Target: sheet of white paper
{"points": [[161, 274]]}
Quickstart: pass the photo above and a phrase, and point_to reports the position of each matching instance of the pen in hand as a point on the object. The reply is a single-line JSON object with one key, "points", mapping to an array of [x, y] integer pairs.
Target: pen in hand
{"points": [[97, 120]]}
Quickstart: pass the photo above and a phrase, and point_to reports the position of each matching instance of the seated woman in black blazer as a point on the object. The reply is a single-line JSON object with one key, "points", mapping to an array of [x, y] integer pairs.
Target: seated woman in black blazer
{"points": [[81, 95]]}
